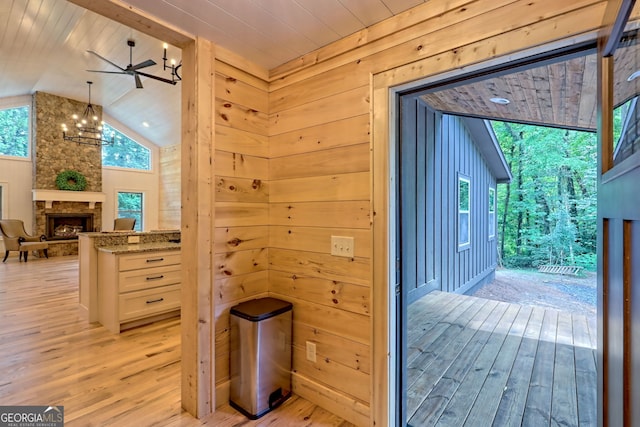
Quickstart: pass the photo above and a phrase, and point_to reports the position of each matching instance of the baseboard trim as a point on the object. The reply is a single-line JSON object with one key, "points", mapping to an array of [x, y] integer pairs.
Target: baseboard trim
{"points": [[337, 403]]}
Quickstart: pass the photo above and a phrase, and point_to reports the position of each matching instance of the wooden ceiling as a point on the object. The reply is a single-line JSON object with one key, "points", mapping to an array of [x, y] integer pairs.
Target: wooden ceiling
{"points": [[559, 94]]}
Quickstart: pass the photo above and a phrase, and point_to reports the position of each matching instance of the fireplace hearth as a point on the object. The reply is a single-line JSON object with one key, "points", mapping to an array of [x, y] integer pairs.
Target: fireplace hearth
{"points": [[66, 226]]}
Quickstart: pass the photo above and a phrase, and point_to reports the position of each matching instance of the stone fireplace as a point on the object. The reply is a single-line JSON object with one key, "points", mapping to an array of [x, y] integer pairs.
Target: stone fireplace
{"points": [[51, 155]]}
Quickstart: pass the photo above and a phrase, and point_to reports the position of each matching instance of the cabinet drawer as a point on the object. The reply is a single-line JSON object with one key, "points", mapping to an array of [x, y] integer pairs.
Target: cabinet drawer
{"points": [[138, 304], [148, 259], [135, 280]]}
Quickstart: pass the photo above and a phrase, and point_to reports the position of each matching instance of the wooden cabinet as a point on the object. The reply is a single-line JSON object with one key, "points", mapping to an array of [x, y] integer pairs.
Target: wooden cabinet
{"points": [[137, 288]]}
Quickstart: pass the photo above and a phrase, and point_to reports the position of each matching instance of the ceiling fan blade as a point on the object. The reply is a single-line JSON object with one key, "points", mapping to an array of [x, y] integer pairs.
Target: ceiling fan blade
{"points": [[138, 82], [107, 72], [106, 60], [147, 63], [162, 79]]}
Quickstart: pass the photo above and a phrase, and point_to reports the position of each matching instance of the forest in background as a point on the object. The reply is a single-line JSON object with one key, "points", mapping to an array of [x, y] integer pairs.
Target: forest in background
{"points": [[547, 214]]}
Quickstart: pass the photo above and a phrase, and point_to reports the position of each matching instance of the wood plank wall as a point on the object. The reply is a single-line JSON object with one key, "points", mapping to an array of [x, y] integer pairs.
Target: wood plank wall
{"points": [[169, 197], [320, 174], [320, 177], [242, 203]]}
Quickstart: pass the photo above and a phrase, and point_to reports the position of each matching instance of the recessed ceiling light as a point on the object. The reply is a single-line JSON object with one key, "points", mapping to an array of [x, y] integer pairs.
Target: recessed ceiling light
{"points": [[145, 124], [501, 101], [633, 76]]}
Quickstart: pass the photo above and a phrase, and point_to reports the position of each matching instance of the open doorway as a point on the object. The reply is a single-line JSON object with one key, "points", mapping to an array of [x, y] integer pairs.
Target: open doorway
{"points": [[470, 361]]}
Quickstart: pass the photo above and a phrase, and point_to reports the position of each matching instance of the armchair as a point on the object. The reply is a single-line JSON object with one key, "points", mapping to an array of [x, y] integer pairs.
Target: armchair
{"points": [[15, 238]]}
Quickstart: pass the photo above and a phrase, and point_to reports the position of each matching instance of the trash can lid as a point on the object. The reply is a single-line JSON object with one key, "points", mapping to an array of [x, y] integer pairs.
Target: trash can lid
{"points": [[261, 308]]}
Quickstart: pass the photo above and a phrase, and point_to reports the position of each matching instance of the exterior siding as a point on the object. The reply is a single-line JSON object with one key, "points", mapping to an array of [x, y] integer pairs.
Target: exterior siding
{"points": [[467, 266], [435, 149]]}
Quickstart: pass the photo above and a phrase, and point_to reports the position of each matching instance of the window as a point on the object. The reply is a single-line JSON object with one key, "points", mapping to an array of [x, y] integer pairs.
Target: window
{"points": [[464, 220], [14, 131], [130, 206], [125, 152], [492, 212]]}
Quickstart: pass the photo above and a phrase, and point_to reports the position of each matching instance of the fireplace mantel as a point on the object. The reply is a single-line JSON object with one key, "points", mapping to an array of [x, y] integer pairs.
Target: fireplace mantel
{"points": [[50, 196]]}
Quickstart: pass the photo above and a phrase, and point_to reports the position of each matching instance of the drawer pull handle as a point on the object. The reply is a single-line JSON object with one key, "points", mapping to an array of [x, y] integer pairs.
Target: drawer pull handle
{"points": [[151, 301], [155, 259], [156, 277]]}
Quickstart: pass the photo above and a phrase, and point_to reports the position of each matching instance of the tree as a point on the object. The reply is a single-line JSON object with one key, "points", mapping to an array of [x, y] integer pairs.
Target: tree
{"points": [[548, 213]]}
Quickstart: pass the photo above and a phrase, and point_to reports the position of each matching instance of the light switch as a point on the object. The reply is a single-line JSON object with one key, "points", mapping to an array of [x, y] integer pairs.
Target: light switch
{"points": [[342, 246]]}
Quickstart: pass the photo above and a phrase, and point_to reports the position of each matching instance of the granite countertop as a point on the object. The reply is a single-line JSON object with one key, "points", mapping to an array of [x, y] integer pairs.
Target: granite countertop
{"points": [[140, 247], [126, 233]]}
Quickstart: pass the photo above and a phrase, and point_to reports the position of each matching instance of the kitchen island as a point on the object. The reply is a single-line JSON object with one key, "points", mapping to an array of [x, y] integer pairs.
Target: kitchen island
{"points": [[129, 278]]}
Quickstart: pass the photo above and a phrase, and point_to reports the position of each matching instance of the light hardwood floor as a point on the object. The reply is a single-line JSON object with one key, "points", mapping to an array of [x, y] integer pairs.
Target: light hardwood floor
{"points": [[50, 355]]}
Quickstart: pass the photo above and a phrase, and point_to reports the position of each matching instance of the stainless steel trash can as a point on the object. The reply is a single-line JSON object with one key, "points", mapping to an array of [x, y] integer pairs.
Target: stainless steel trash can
{"points": [[260, 360]]}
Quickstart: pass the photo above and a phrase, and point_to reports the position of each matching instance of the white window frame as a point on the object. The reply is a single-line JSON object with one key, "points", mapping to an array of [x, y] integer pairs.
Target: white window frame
{"points": [[135, 137], [4, 198], [463, 245], [17, 102], [139, 224]]}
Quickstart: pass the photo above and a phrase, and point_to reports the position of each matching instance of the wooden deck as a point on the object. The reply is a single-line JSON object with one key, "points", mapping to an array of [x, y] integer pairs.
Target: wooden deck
{"points": [[478, 362]]}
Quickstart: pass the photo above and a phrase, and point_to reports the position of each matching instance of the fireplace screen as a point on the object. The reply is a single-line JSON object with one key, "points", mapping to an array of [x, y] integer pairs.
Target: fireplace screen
{"points": [[65, 226]]}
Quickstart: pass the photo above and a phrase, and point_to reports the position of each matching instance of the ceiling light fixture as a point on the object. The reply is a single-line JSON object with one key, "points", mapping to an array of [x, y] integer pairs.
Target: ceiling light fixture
{"points": [[175, 77], [87, 129], [498, 100]]}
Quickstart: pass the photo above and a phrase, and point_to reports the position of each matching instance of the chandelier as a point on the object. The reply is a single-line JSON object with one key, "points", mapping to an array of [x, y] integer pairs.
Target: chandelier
{"points": [[87, 129]]}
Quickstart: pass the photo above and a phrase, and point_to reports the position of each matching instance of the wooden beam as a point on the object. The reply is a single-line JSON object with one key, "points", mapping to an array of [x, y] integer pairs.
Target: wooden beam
{"points": [[197, 216], [135, 18], [384, 362]]}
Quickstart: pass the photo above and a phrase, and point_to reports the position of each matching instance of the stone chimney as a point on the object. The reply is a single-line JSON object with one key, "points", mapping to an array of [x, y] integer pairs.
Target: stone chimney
{"points": [[51, 155]]}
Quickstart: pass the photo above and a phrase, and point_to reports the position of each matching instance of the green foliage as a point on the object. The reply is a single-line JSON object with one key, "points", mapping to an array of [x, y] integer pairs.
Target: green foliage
{"points": [[71, 180], [14, 132], [125, 152], [547, 215]]}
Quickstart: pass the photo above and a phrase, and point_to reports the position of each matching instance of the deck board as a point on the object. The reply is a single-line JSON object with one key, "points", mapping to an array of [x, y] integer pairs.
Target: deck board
{"points": [[537, 411], [471, 385], [432, 363], [564, 407], [445, 388], [479, 362]]}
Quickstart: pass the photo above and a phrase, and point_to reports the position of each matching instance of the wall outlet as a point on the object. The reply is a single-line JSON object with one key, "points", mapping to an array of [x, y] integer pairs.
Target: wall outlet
{"points": [[133, 239], [311, 351], [342, 246]]}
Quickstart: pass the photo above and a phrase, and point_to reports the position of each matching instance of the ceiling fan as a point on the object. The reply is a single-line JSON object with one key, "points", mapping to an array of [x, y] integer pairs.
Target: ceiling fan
{"points": [[132, 70]]}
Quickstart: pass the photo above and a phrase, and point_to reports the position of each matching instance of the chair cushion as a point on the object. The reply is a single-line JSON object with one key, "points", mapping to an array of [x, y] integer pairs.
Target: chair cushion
{"points": [[33, 246]]}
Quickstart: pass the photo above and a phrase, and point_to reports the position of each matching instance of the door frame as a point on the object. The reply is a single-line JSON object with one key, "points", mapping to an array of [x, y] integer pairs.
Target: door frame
{"points": [[387, 87]]}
